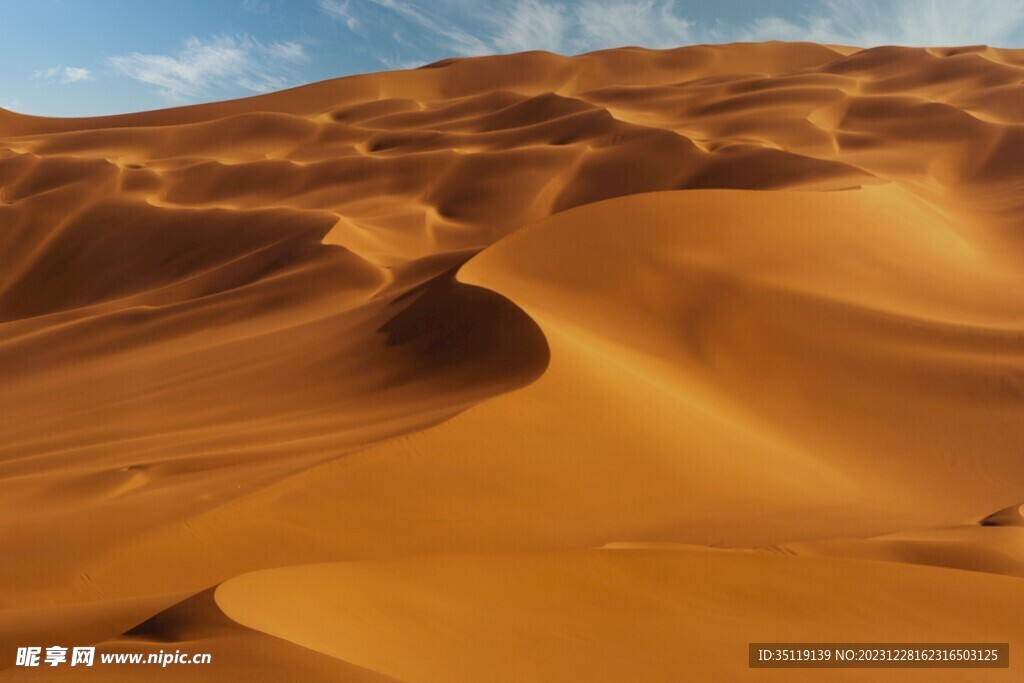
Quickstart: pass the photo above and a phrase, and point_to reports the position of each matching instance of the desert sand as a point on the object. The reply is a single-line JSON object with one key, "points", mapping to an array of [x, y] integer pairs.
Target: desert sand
{"points": [[522, 368]]}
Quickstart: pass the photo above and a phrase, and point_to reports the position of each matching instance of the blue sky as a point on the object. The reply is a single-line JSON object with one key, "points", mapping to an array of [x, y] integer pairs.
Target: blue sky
{"points": [[87, 57]]}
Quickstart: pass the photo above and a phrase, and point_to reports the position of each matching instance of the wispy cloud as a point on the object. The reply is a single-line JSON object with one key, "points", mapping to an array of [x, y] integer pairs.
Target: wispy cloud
{"points": [[479, 27], [340, 10], [214, 66], [471, 28], [256, 6], [66, 74], [289, 51], [532, 25], [900, 22], [462, 41], [647, 23]]}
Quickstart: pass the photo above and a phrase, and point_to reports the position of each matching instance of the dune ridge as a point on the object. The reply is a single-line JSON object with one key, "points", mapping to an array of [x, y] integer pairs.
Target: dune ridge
{"points": [[596, 327]]}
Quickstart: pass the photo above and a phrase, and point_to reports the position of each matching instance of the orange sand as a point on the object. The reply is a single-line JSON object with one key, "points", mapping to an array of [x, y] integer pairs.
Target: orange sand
{"points": [[523, 367]]}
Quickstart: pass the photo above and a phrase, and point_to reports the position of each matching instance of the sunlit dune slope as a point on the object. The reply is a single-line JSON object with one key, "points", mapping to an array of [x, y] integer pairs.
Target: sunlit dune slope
{"points": [[718, 387], [195, 625], [993, 544], [616, 615], [513, 309]]}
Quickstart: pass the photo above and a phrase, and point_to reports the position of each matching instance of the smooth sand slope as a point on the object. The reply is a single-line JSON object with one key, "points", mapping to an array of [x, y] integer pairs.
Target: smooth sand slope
{"points": [[521, 368]]}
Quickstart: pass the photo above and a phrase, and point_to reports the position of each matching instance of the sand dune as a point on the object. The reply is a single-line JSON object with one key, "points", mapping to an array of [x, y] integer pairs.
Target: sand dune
{"points": [[612, 615], [519, 367]]}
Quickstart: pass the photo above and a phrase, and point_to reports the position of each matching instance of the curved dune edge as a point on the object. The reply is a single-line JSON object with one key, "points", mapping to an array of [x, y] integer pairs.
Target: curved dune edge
{"points": [[993, 544], [204, 300], [81, 623], [613, 615], [491, 508], [684, 407], [593, 351], [233, 340], [737, 303], [190, 625]]}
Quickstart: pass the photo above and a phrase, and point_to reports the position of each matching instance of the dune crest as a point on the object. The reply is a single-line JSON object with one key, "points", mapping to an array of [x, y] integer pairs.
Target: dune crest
{"points": [[668, 324]]}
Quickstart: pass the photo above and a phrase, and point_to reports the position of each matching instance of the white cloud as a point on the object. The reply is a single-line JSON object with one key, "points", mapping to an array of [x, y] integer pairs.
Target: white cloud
{"points": [[479, 27], [74, 74], [458, 40], [203, 67], [470, 28], [926, 23], [256, 6], [400, 65], [340, 10], [66, 74], [289, 51], [464, 28], [647, 23], [532, 25]]}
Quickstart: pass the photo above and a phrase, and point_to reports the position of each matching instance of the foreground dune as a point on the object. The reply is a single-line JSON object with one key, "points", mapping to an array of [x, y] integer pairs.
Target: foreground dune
{"points": [[521, 368], [612, 615]]}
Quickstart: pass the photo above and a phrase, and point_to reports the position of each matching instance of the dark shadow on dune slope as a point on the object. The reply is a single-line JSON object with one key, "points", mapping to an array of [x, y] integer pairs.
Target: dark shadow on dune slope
{"points": [[452, 327]]}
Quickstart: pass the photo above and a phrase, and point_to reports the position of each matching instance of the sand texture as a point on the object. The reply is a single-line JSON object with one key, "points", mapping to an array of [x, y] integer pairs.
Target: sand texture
{"points": [[522, 368]]}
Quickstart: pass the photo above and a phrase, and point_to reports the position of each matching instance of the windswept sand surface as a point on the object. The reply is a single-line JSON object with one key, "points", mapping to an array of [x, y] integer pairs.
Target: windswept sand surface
{"points": [[522, 368]]}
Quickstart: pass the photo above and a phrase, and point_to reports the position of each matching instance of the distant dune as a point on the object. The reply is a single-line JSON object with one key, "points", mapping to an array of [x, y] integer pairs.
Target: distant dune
{"points": [[521, 368]]}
